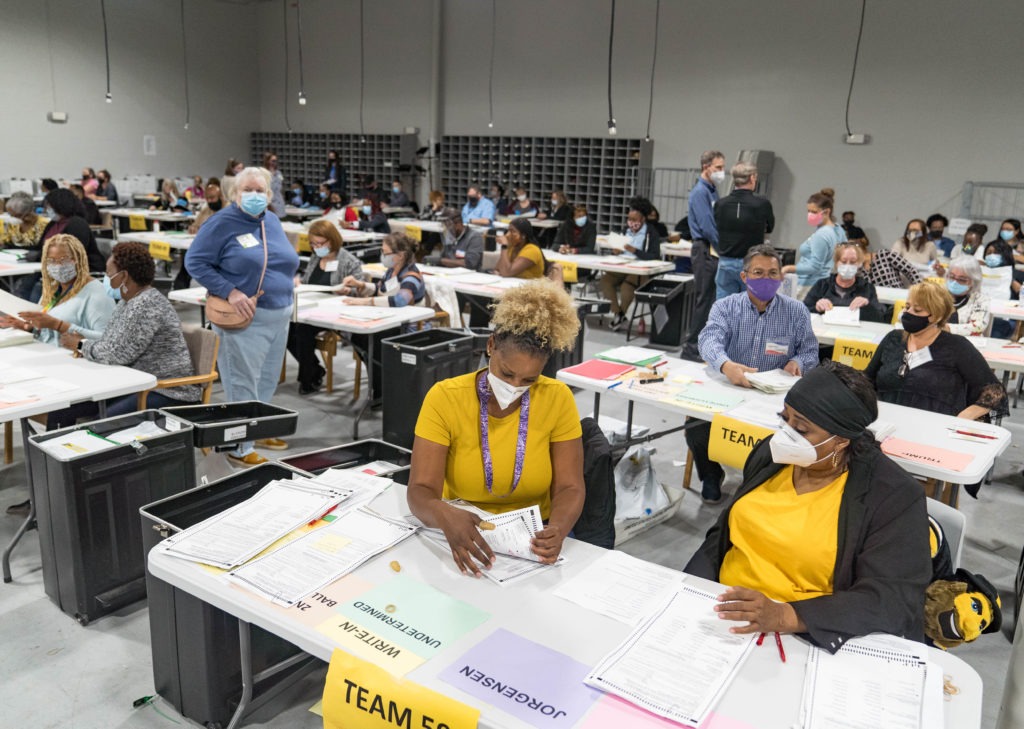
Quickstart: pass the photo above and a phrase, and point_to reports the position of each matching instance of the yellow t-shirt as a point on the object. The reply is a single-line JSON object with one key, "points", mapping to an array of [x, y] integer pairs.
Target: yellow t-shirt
{"points": [[783, 543], [450, 416], [534, 254]]}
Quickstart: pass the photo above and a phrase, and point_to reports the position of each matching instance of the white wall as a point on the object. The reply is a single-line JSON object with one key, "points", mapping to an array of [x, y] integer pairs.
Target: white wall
{"points": [[147, 86], [936, 87]]}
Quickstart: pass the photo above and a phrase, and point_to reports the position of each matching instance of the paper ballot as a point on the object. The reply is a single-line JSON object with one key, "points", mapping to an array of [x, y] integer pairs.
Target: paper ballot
{"points": [[678, 662], [842, 316], [12, 305]]}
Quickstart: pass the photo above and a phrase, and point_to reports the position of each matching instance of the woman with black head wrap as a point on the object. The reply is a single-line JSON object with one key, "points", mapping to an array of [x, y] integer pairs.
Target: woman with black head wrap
{"points": [[826, 536]]}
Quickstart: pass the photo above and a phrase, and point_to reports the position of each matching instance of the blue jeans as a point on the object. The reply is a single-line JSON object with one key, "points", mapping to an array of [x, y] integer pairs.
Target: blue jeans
{"points": [[250, 359], [727, 280]]}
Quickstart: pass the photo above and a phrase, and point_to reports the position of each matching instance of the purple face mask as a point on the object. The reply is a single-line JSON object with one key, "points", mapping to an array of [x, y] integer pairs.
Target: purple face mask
{"points": [[763, 289]]}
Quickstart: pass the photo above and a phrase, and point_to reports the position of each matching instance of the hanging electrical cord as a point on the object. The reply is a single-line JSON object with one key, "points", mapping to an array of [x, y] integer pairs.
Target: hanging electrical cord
{"points": [[287, 121], [654, 65], [184, 63], [490, 76], [611, 42], [856, 55], [302, 78], [362, 70], [106, 47]]}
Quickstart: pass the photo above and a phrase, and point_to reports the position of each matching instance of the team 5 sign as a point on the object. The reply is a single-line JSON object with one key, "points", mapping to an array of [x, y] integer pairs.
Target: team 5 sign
{"points": [[361, 695]]}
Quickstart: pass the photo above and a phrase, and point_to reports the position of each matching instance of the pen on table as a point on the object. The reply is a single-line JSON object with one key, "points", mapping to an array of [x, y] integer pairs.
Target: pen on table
{"points": [[778, 642], [972, 433], [325, 514], [760, 639], [650, 380], [614, 385]]}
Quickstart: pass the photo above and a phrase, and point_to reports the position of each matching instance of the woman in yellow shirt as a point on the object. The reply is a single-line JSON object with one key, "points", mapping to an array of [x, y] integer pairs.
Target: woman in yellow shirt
{"points": [[826, 535], [521, 256], [505, 437]]}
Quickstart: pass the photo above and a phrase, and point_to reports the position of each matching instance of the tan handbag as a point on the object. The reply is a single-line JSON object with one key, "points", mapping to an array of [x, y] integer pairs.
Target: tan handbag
{"points": [[219, 310]]}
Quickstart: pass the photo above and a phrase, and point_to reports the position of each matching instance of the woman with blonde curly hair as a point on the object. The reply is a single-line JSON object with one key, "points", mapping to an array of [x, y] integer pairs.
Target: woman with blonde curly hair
{"points": [[506, 437]]}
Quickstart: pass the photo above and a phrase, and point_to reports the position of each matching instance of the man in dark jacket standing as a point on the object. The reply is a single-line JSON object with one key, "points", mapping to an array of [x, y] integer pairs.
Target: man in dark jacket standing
{"points": [[742, 219]]}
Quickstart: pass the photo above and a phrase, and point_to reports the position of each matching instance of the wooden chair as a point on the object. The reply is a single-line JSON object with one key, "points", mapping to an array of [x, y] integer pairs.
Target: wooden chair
{"points": [[202, 348], [327, 345]]}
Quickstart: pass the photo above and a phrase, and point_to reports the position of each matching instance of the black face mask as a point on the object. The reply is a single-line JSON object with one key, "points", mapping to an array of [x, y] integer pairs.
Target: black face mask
{"points": [[215, 205], [913, 323], [473, 199], [338, 205]]}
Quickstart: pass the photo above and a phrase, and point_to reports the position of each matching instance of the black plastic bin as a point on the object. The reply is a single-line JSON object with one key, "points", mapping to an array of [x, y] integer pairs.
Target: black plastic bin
{"points": [[568, 358], [196, 657], [86, 508], [234, 422], [677, 299], [411, 364], [354, 455]]}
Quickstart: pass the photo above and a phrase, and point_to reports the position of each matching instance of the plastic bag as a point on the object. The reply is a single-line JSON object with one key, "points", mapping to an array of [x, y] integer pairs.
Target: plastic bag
{"points": [[637, 490]]}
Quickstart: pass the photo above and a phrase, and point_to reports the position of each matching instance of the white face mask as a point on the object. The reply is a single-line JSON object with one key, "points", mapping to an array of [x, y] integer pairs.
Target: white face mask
{"points": [[788, 446], [521, 198], [847, 270], [503, 392], [718, 177]]}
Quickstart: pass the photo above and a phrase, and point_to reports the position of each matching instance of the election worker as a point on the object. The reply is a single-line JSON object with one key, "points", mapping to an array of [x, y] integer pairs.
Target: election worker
{"points": [[511, 425], [826, 536]]}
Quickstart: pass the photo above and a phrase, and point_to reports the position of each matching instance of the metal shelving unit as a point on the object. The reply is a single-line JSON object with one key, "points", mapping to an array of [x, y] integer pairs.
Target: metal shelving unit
{"points": [[602, 173]]}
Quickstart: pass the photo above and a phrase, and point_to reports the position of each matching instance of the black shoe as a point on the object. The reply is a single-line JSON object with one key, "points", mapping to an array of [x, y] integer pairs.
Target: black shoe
{"points": [[617, 322], [21, 509], [306, 388], [711, 492]]}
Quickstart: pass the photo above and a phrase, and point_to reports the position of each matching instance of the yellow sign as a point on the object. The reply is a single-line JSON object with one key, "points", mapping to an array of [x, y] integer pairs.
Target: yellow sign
{"points": [[897, 309], [569, 274], [302, 244], [358, 694], [136, 222], [414, 231], [853, 353], [368, 645], [732, 440], [160, 250]]}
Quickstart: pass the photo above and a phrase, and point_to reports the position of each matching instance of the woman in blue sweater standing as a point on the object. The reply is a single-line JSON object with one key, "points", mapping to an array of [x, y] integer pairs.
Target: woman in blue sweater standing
{"points": [[227, 257], [814, 257]]}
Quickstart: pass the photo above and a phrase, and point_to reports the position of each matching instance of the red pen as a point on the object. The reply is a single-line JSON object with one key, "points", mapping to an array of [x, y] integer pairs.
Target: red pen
{"points": [[973, 434], [325, 514], [778, 642], [760, 639]]}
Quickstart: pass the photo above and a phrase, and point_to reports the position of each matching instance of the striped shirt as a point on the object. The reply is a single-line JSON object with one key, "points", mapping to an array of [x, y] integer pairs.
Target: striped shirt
{"points": [[736, 331]]}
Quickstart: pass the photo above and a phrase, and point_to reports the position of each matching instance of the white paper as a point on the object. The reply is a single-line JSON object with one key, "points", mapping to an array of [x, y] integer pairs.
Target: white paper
{"points": [[34, 389], [513, 530], [145, 429], [763, 411], [620, 586], [74, 444], [617, 241], [842, 316], [243, 531], [678, 662], [320, 557], [480, 279], [631, 355], [504, 570], [316, 288], [13, 337], [13, 305], [772, 381]]}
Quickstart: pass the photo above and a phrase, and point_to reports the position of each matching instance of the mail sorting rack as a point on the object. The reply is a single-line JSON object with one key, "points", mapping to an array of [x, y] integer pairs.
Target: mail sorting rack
{"points": [[601, 173], [89, 540], [196, 647], [304, 155]]}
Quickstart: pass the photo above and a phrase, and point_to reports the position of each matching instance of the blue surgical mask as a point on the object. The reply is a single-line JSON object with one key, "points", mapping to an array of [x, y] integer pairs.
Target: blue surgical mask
{"points": [[956, 288], [254, 203], [396, 190], [388, 260], [1006, 235], [581, 221], [322, 251], [367, 209], [993, 260], [113, 293]]}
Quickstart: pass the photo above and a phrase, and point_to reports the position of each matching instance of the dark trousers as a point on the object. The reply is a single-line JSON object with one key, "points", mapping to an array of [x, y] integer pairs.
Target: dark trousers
{"points": [[479, 310], [302, 346], [697, 438], [705, 268]]}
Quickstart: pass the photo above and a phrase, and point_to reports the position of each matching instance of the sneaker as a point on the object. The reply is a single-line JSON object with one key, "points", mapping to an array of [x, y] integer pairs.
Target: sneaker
{"points": [[248, 460], [711, 492], [273, 444]]}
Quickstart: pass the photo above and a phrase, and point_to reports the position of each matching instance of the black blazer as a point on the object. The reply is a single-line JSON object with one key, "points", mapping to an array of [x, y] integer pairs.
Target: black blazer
{"points": [[587, 240], [826, 288], [883, 560]]}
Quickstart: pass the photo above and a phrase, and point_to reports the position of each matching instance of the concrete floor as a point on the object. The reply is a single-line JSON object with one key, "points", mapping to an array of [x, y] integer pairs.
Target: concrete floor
{"points": [[56, 673]]}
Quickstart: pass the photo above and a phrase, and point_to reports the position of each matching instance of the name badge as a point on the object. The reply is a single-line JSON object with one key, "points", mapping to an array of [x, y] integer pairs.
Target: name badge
{"points": [[247, 241], [918, 358], [776, 348], [391, 285], [460, 254], [331, 266]]}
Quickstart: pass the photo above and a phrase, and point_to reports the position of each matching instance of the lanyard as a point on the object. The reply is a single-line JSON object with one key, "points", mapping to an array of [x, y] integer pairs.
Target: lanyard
{"points": [[485, 446], [56, 299]]}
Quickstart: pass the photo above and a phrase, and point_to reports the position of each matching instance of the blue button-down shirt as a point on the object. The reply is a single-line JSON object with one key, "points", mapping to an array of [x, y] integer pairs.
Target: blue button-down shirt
{"points": [[736, 331], [701, 212], [483, 209]]}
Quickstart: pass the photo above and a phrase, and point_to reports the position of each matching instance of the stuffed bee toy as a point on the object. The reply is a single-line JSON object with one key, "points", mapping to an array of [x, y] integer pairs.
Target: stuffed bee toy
{"points": [[958, 606]]}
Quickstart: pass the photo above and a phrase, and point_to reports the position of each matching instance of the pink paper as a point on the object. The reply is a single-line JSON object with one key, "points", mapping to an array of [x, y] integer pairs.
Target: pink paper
{"points": [[1004, 355], [611, 712], [941, 457]]}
